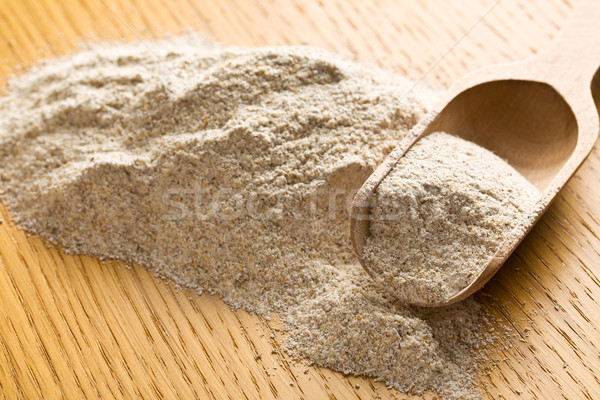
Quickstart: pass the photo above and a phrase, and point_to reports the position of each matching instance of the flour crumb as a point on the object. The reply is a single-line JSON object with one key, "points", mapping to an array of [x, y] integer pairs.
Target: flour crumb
{"points": [[440, 215]]}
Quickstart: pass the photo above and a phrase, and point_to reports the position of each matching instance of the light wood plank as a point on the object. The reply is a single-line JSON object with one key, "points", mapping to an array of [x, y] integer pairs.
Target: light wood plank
{"points": [[74, 327]]}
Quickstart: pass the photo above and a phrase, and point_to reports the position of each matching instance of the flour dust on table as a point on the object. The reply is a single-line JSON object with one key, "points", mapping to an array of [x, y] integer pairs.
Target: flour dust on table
{"points": [[231, 170]]}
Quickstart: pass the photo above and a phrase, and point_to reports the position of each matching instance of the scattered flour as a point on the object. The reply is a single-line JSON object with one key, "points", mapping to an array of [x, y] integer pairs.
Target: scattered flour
{"points": [[231, 170], [440, 215]]}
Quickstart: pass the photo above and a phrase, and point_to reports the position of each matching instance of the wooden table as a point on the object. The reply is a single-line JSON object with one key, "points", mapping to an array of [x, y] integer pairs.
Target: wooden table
{"points": [[74, 327]]}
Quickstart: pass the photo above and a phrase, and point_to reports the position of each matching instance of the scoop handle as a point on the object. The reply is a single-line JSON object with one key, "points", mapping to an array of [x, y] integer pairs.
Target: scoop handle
{"points": [[570, 64], [574, 56]]}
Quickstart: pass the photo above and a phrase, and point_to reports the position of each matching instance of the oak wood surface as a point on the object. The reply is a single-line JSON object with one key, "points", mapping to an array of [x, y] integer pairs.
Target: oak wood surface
{"points": [[75, 327]]}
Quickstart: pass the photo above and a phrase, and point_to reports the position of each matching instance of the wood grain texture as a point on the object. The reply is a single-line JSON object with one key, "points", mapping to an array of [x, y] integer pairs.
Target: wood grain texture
{"points": [[75, 327]]}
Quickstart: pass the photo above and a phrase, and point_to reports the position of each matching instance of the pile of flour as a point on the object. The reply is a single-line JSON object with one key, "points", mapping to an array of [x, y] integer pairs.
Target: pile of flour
{"points": [[440, 215], [231, 170]]}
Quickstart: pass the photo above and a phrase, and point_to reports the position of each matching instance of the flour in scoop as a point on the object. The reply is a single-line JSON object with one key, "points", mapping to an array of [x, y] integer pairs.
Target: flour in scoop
{"points": [[440, 215], [231, 170]]}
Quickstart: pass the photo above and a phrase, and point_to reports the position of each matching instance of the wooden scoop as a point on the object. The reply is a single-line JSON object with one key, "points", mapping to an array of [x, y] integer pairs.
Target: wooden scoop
{"points": [[538, 114]]}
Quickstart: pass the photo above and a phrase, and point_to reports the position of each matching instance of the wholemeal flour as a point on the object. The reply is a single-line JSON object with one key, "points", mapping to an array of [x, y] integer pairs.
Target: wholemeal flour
{"points": [[231, 170], [440, 215]]}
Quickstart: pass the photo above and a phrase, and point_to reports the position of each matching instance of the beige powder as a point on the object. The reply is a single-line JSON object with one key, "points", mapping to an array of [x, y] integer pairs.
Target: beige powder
{"points": [[230, 170], [440, 215]]}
